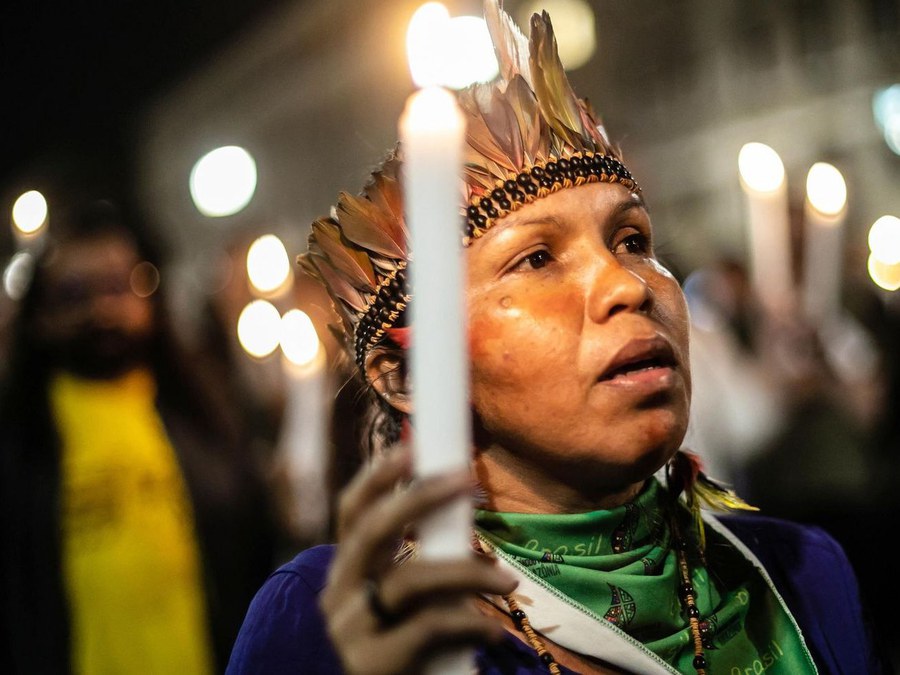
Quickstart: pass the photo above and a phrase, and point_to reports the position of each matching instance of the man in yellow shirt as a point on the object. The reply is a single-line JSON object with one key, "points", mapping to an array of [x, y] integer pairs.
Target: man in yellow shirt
{"points": [[133, 533]]}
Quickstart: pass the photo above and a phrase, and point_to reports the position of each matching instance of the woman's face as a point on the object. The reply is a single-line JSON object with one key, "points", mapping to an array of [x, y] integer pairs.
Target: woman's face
{"points": [[579, 345]]}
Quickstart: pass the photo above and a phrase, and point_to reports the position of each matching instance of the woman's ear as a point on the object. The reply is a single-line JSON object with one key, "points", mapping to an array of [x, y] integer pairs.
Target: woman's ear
{"points": [[385, 370]]}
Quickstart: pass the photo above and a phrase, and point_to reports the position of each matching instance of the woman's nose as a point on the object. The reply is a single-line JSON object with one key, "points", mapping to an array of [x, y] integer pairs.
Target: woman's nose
{"points": [[613, 289]]}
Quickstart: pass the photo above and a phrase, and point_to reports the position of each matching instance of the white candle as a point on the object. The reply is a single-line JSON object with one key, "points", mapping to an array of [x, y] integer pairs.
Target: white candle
{"points": [[765, 189], [431, 134], [824, 214]]}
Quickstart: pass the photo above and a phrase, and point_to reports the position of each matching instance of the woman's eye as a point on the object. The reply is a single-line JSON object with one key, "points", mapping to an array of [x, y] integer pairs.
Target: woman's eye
{"points": [[536, 260], [636, 244]]}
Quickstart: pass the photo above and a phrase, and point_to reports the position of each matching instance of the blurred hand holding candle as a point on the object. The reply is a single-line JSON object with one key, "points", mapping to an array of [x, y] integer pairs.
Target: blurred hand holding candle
{"points": [[431, 137], [765, 188], [823, 236]]}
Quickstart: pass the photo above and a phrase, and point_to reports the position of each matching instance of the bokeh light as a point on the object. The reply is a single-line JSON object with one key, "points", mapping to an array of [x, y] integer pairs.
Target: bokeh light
{"points": [[299, 340], [574, 23], [449, 52], [884, 240], [268, 266], [426, 44], [760, 167], [223, 181], [29, 212], [886, 110], [17, 275], [826, 189], [884, 275], [472, 57], [259, 328], [144, 279]]}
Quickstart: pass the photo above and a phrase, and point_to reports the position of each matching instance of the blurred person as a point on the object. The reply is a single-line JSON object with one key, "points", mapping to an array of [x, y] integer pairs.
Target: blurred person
{"points": [[133, 528], [583, 559], [736, 403], [787, 410]]}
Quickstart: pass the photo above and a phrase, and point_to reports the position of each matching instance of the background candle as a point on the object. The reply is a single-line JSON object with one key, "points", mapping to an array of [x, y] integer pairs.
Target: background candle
{"points": [[765, 189], [824, 214], [303, 441]]}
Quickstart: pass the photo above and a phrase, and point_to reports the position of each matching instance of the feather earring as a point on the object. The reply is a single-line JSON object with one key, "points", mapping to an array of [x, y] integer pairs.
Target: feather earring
{"points": [[684, 475]]}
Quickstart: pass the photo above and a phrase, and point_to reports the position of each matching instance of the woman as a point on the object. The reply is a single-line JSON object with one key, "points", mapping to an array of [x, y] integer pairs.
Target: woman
{"points": [[580, 394]]}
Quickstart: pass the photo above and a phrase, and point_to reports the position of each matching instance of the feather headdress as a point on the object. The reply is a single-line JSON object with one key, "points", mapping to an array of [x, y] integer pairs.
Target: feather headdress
{"points": [[527, 135]]}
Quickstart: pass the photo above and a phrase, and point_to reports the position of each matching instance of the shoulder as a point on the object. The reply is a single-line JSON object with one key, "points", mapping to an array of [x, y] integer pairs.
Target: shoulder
{"points": [[284, 630], [811, 572], [786, 541]]}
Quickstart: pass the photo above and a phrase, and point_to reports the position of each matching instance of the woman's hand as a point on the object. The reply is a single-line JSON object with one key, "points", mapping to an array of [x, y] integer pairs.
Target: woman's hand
{"points": [[387, 618]]}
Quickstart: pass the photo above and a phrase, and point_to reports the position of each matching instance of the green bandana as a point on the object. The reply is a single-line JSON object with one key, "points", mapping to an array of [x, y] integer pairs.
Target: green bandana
{"points": [[621, 565]]}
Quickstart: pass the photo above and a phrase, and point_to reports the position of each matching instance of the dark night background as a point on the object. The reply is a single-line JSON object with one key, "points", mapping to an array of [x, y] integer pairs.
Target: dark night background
{"points": [[75, 74]]}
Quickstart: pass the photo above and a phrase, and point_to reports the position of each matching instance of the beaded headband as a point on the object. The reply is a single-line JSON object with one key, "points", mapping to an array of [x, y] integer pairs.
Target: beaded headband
{"points": [[527, 135]]}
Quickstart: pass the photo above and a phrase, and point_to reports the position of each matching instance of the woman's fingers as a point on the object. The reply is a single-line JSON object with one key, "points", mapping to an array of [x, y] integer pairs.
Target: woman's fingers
{"points": [[408, 586], [372, 483], [380, 526]]}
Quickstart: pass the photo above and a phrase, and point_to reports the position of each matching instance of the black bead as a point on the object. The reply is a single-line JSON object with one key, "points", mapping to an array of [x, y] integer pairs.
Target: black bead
{"points": [[517, 195], [686, 590], [581, 172], [509, 185], [485, 203], [532, 189], [693, 612], [523, 179], [518, 616], [546, 658], [537, 172], [497, 194], [700, 662], [472, 211], [551, 168], [597, 160], [557, 177], [504, 204], [564, 165], [570, 174], [480, 220], [576, 162], [680, 544], [704, 627]]}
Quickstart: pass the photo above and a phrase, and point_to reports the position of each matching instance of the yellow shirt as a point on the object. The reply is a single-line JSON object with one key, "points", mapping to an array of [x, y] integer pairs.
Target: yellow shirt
{"points": [[130, 555]]}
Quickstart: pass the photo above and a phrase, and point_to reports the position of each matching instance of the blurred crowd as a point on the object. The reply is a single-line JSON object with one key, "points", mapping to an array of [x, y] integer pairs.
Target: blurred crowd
{"points": [[799, 413], [150, 482]]}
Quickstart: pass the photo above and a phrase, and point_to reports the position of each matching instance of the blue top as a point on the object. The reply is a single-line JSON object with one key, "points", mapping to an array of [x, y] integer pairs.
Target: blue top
{"points": [[284, 631]]}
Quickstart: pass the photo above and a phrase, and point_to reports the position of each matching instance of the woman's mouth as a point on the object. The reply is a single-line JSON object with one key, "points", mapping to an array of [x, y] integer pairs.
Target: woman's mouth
{"points": [[642, 363]]}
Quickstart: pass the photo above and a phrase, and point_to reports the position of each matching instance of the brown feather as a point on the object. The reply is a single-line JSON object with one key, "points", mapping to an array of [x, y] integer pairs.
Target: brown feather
{"points": [[365, 225], [554, 93], [337, 284], [504, 127], [528, 116], [347, 259], [510, 45]]}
